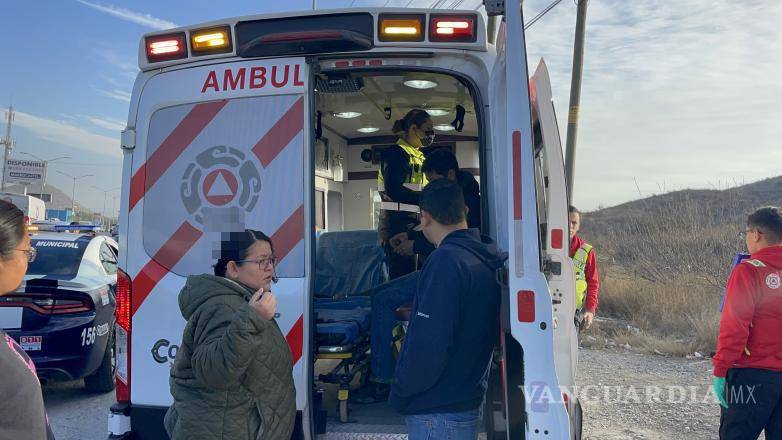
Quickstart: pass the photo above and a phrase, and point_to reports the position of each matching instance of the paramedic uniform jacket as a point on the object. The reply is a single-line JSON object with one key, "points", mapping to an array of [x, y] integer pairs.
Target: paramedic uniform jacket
{"points": [[453, 329], [232, 378], [751, 326], [590, 273]]}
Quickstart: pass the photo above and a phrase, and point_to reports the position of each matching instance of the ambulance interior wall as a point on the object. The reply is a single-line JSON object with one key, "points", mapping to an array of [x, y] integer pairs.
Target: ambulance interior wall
{"points": [[357, 194], [332, 181]]}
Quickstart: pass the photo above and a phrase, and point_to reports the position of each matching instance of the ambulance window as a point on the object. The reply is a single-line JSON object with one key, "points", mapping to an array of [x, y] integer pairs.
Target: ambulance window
{"points": [[219, 167]]}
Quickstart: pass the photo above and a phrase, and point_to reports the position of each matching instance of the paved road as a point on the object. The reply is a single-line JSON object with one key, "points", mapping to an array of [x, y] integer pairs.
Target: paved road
{"points": [[76, 414]]}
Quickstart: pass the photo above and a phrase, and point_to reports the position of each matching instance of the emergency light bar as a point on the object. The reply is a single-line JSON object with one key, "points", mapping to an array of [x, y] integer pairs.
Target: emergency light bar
{"points": [[79, 228], [320, 33]]}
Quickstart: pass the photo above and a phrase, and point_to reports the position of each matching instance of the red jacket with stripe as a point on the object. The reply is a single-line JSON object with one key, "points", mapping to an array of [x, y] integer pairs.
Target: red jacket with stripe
{"points": [[590, 273], [751, 327]]}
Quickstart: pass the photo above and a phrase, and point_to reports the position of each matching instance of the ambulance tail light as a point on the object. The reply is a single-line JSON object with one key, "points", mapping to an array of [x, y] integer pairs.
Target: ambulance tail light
{"points": [[122, 336], [211, 41], [452, 28], [166, 47]]}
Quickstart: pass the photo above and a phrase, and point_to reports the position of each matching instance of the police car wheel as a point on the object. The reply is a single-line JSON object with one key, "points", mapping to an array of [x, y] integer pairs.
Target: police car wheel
{"points": [[102, 380]]}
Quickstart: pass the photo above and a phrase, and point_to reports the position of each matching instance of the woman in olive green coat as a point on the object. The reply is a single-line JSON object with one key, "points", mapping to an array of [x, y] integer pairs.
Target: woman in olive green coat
{"points": [[232, 378]]}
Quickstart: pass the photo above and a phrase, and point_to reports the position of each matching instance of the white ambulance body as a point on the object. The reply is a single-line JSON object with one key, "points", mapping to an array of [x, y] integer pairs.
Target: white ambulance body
{"points": [[260, 123]]}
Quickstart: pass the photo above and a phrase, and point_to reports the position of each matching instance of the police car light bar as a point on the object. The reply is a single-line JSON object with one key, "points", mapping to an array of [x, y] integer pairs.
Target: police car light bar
{"points": [[166, 47], [449, 28], [78, 228]]}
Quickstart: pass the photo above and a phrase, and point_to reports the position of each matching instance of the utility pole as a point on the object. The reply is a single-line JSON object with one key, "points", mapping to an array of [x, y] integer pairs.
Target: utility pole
{"points": [[7, 142], [73, 192], [46, 167], [575, 97]]}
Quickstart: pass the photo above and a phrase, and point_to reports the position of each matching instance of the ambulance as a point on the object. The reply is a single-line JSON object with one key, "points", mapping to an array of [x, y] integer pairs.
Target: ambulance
{"points": [[274, 123]]}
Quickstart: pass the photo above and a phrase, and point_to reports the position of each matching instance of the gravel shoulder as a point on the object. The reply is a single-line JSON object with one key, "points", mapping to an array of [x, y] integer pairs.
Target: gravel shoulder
{"points": [[618, 390]]}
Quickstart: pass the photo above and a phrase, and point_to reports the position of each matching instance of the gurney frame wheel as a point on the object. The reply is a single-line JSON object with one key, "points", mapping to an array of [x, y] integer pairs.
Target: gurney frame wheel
{"points": [[343, 411]]}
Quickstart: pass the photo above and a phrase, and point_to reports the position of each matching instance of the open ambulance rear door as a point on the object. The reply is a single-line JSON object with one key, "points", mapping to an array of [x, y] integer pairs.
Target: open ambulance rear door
{"points": [[533, 400], [209, 149]]}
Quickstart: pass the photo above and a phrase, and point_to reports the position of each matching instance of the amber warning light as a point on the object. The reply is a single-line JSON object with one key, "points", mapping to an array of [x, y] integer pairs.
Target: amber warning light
{"points": [[213, 40]]}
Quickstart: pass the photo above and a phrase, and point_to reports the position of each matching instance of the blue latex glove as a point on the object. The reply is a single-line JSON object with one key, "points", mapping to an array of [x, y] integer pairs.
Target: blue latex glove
{"points": [[719, 390]]}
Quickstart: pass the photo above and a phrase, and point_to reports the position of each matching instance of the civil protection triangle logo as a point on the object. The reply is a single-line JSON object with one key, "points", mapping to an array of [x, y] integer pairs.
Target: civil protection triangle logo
{"points": [[773, 281], [220, 187]]}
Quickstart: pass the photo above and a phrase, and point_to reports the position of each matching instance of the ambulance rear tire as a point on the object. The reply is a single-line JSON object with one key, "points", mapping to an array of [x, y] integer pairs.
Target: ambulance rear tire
{"points": [[578, 420], [102, 380]]}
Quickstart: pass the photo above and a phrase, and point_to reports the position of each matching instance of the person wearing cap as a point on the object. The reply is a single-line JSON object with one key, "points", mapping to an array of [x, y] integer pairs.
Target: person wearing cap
{"points": [[587, 281], [748, 362]]}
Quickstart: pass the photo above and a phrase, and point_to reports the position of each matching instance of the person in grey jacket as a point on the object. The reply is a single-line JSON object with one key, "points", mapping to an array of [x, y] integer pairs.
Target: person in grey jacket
{"points": [[232, 378]]}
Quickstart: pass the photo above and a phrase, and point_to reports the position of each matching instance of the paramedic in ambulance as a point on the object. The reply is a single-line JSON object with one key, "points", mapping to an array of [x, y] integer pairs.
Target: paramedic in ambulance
{"points": [[587, 282], [400, 180], [232, 377], [748, 363], [440, 380], [22, 414]]}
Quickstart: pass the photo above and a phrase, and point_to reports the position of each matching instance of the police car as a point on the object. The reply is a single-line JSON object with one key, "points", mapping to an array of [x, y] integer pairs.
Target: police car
{"points": [[63, 313], [272, 122]]}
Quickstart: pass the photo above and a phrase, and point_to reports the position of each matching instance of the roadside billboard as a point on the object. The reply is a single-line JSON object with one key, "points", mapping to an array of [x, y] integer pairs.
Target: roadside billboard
{"points": [[25, 172]]}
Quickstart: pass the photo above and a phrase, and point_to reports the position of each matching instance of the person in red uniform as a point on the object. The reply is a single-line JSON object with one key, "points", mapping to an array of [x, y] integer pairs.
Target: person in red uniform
{"points": [[748, 362], [585, 262]]}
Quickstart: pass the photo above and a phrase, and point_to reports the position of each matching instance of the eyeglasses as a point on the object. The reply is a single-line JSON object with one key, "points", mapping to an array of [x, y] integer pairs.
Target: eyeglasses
{"points": [[743, 234], [263, 263], [31, 253]]}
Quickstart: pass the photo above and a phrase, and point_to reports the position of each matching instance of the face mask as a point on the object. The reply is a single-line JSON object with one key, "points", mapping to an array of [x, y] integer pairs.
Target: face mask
{"points": [[428, 139]]}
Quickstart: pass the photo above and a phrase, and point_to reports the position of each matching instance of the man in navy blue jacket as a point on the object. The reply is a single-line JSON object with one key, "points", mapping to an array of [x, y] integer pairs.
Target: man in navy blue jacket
{"points": [[441, 376]]}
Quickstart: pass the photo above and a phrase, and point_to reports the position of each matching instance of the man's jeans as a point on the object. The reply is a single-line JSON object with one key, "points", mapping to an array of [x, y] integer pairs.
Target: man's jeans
{"points": [[444, 426], [386, 299]]}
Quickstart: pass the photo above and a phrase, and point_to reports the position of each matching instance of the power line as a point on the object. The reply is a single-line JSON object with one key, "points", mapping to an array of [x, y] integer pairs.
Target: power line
{"points": [[542, 13]]}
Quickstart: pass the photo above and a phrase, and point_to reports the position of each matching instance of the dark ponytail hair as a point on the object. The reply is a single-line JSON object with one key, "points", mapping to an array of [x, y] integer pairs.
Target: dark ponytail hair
{"points": [[234, 247], [12, 228], [415, 117]]}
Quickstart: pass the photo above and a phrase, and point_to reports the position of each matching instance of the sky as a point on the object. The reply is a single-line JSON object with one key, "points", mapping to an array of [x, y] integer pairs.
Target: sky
{"points": [[675, 94]]}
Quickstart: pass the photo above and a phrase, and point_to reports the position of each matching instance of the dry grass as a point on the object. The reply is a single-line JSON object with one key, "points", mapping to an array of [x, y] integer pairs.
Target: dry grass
{"points": [[664, 264]]}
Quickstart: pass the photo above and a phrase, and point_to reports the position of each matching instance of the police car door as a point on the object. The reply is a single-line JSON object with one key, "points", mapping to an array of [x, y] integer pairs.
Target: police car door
{"points": [[219, 148], [533, 402]]}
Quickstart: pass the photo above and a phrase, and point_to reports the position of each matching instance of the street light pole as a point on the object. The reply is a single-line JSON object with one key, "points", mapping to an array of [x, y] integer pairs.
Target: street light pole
{"points": [[46, 167], [73, 192], [103, 213]]}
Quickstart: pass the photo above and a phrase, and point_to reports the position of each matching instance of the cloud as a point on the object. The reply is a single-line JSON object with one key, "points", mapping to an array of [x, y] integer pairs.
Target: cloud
{"points": [[119, 95], [674, 95], [131, 16], [68, 134], [105, 123]]}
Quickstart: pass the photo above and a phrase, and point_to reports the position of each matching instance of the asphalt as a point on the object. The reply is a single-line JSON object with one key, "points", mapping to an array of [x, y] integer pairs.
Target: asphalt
{"points": [[75, 414]]}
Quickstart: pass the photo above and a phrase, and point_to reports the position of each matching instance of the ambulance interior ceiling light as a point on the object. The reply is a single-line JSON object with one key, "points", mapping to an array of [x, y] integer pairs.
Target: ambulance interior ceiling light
{"points": [[368, 129], [421, 83], [437, 111], [347, 115], [443, 127]]}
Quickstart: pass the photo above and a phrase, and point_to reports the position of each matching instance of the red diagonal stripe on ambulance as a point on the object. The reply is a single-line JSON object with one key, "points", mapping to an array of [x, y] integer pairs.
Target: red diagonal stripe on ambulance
{"points": [[180, 138], [289, 234], [166, 258], [281, 134], [295, 338]]}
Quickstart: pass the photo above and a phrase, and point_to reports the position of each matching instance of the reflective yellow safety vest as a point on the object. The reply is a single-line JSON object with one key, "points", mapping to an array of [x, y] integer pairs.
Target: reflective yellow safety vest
{"points": [[580, 262], [416, 181]]}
